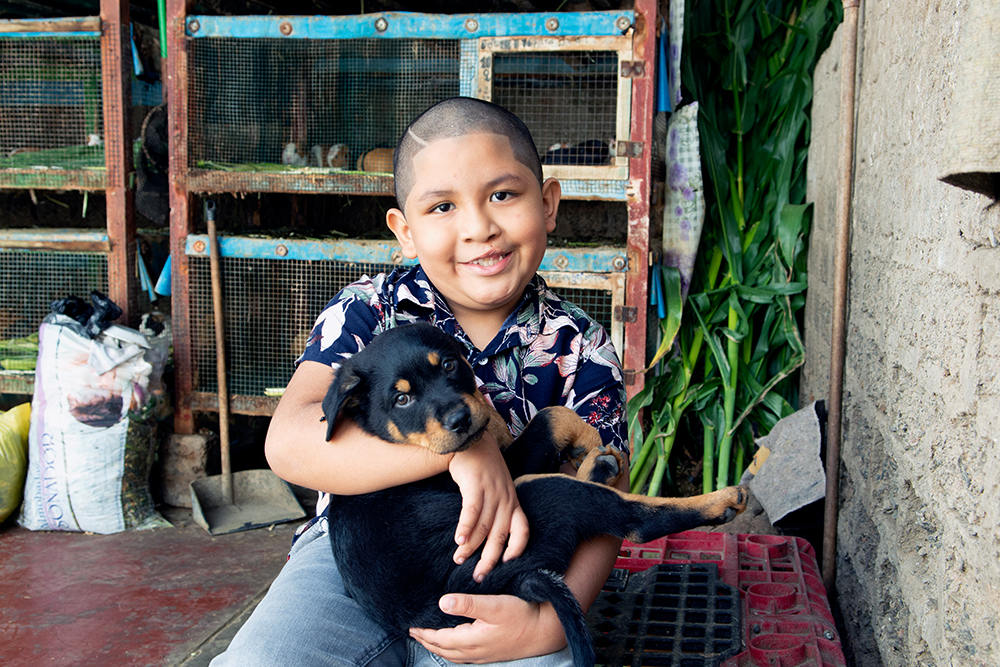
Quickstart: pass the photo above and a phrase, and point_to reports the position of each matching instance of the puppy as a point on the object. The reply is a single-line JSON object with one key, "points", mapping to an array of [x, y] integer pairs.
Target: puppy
{"points": [[394, 548]]}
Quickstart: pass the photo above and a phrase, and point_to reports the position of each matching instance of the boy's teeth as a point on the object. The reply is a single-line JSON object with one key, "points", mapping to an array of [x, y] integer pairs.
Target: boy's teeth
{"points": [[486, 261]]}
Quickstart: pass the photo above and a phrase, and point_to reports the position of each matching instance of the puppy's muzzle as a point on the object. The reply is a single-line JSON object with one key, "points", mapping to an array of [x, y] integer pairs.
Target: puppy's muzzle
{"points": [[458, 419]]}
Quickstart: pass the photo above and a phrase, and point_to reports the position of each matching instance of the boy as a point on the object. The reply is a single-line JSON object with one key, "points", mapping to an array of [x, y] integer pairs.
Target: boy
{"points": [[474, 208]]}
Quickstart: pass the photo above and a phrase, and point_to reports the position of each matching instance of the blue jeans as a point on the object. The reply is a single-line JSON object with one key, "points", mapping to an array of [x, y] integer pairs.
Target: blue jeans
{"points": [[307, 619]]}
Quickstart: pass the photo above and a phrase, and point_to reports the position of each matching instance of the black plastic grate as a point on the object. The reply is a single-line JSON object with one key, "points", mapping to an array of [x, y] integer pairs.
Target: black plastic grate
{"points": [[666, 616]]}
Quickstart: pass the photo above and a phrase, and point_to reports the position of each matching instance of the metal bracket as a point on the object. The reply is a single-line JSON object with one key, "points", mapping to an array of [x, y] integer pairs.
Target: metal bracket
{"points": [[625, 314], [631, 149], [633, 69]]}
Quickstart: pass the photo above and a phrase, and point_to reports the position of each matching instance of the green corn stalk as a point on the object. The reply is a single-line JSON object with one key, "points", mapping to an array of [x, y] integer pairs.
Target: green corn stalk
{"points": [[749, 64]]}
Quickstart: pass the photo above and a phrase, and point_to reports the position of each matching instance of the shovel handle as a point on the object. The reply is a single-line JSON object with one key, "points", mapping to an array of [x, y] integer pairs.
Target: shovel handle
{"points": [[220, 353]]}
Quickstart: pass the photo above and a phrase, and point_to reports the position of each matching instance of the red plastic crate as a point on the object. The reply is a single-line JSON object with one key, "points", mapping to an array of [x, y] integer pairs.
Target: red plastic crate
{"points": [[787, 618]]}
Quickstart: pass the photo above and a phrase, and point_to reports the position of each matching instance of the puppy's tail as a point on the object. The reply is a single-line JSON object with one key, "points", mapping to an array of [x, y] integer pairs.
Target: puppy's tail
{"points": [[545, 586]]}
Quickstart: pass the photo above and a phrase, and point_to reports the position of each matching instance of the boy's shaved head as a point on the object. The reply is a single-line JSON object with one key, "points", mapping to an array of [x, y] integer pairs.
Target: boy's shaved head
{"points": [[457, 117]]}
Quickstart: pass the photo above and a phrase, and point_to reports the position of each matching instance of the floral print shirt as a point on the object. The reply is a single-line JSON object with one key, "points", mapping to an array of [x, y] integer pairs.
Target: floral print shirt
{"points": [[549, 351]]}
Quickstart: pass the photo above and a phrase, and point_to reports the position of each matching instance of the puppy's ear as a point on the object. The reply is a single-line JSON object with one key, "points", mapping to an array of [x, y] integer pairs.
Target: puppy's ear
{"points": [[342, 393]]}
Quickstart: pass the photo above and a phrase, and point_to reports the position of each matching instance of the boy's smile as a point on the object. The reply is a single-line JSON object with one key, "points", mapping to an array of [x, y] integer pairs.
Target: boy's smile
{"points": [[477, 220]]}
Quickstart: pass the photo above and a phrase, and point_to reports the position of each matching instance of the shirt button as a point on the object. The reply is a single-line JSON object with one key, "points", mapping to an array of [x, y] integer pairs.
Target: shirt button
{"points": [[482, 362]]}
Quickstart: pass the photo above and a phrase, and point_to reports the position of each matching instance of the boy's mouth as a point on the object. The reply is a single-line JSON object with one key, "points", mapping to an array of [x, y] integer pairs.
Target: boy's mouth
{"points": [[489, 260]]}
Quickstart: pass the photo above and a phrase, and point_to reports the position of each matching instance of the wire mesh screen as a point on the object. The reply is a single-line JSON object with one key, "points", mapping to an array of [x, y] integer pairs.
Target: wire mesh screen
{"points": [[270, 307], [32, 279], [568, 99], [595, 302], [51, 115], [274, 106]]}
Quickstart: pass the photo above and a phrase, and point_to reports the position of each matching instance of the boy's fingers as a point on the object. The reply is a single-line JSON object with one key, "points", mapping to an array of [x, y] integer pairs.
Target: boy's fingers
{"points": [[479, 533], [518, 535], [468, 519], [494, 548]]}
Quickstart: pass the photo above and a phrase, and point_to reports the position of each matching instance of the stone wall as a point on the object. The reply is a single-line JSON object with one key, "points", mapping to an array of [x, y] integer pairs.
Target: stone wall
{"points": [[918, 558]]}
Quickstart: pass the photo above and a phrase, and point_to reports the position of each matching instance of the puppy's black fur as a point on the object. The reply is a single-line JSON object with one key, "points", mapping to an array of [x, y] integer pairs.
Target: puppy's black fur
{"points": [[394, 548]]}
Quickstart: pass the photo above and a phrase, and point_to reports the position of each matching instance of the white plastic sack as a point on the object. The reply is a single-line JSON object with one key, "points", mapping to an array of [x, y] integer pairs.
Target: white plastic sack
{"points": [[88, 462]]}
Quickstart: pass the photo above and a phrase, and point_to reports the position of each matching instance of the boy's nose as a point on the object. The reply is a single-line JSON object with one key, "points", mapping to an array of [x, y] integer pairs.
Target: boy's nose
{"points": [[479, 226]]}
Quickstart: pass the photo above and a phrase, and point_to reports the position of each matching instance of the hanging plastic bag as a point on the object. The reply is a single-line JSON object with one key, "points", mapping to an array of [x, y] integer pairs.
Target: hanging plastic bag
{"points": [[13, 457], [90, 451]]}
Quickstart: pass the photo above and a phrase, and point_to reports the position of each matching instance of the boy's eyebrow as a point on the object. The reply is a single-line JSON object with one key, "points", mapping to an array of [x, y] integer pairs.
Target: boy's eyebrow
{"points": [[447, 192]]}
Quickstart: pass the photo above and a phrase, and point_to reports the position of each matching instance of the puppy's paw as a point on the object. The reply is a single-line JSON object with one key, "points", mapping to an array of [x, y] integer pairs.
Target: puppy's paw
{"points": [[603, 465], [728, 504]]}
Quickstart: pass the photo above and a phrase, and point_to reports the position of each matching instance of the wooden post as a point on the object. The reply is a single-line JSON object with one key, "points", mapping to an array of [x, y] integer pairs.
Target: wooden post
{"points": [[176, 91], [637, 280], [116, 80]]}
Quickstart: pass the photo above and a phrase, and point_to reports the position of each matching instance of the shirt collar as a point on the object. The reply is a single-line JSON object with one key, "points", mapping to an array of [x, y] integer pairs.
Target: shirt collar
{"points": [[414, 293]]}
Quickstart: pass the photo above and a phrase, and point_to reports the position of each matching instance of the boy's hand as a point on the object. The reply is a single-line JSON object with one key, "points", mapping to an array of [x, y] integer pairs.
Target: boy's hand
{"points": [[505, 628], [490, 509]]}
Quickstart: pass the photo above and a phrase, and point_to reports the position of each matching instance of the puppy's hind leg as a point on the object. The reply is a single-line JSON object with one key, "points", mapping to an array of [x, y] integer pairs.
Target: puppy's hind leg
{"points": [[572, 505]]}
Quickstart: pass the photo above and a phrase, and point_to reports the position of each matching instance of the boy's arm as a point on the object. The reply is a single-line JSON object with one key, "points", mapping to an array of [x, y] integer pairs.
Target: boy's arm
{"points": [[507, 627], [355, 462]]}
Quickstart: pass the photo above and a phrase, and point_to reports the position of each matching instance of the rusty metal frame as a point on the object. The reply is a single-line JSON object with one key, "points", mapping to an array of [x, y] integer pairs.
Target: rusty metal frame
{"points": [[119, 243], [116, 65], [184, 182], [639, 192], [181, 224]]}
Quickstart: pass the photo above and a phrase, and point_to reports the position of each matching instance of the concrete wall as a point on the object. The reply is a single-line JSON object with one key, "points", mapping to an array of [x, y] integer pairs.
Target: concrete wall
{"points": [[918, 559]]}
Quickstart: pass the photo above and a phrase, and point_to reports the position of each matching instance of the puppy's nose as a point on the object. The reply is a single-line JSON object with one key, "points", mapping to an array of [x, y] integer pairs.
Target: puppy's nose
{"points": [[458, 419]]}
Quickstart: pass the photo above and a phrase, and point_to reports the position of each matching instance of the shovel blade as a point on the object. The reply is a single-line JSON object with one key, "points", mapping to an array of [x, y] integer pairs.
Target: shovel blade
{"points": [[260, 499]]}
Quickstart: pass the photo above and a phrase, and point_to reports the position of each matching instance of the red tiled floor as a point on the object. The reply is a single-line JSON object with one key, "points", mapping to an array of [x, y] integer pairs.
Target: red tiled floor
{"points": [[139, 598]]}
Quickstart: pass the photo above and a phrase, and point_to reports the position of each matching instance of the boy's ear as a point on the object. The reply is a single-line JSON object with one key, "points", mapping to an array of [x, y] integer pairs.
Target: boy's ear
{"points": [[551, 194], [396, 221]]}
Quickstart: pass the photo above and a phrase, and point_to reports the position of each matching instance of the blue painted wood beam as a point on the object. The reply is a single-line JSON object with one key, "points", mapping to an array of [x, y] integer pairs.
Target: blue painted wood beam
{"points": [[600, 259], [411, 25]]}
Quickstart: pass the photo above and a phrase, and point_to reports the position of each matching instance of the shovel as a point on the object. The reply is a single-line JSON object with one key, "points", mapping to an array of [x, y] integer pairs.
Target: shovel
{"points": [[248, 499]]}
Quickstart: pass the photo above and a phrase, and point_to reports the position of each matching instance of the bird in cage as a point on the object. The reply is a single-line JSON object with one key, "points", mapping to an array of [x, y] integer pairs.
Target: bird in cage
{"points": [[293, 155]]}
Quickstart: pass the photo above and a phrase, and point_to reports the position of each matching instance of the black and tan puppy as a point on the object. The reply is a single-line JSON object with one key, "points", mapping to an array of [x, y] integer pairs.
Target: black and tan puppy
{"points": [[394, 548]]}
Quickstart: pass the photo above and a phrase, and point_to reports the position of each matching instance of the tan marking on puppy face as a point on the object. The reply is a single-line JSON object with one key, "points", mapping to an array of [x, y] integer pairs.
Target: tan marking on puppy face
{"points": [[436, 438], [402, 386], [483, 413], [394, 432], [433, 358]]}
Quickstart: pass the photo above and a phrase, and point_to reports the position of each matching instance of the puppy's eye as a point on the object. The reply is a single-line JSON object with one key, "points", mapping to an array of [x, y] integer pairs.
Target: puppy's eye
{"points": [[449, 365], [402, 400]]}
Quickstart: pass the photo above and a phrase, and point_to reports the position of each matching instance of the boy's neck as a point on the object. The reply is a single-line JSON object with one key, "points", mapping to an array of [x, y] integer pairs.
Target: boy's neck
{"points": [[480, 327]]}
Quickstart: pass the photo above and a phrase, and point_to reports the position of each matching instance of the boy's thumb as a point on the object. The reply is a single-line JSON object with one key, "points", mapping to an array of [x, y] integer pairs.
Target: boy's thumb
{"points": [[460, 604], [453, 604]]}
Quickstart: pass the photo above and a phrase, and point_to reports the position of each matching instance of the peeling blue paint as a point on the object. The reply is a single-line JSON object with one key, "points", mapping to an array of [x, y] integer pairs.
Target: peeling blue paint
{"points": [[601, 259], [399, 25]]}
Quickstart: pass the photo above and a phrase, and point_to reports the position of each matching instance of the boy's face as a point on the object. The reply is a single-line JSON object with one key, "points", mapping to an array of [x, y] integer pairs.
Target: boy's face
{"points": [[477, 220]]}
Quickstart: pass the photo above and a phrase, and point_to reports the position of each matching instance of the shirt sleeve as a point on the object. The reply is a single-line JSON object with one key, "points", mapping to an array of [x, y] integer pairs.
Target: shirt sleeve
{"points": [[347, 324], [598, 393]]}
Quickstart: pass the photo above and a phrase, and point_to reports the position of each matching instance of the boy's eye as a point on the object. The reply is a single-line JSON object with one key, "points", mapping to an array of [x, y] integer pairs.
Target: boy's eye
{"points": [[443, 208], [402, 400], [501, 196]]}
